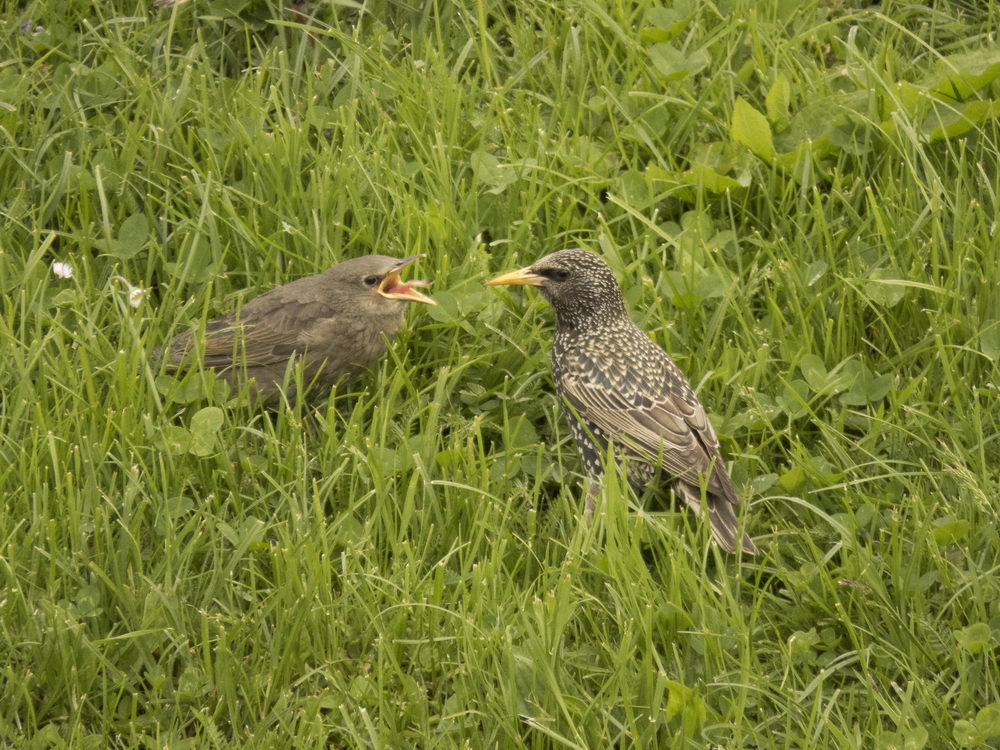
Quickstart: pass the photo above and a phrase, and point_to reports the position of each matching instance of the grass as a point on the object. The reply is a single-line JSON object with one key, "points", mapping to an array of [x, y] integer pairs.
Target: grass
{"points": [[404, 565]]}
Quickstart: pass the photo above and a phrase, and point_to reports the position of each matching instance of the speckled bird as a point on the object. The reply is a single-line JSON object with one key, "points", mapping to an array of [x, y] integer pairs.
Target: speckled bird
{"points": [[617, 385], [336, 323]]}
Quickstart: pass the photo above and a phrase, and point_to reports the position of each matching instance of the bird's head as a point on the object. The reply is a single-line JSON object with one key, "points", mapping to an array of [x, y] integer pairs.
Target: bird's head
{"points": [[374, 281], [576, 282]]}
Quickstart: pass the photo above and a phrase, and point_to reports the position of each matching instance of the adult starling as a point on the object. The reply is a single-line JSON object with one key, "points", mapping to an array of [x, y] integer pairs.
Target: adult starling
{"points": [[616, 384], [336, 323]]}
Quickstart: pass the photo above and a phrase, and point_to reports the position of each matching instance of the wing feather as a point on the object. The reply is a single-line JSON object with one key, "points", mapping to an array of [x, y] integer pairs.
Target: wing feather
{"points": [[651, 412], [264, 334]]}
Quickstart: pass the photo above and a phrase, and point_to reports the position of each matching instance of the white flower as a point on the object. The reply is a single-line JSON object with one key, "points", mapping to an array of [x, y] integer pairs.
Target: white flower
{"points": [[136, 294], [62, 270]]}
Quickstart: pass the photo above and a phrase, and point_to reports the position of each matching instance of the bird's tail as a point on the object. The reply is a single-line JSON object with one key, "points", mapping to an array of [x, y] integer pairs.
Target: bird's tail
{"points": [[722, 516]]}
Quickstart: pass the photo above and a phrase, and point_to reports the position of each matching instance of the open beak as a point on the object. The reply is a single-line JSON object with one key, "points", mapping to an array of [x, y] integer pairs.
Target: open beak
{"points": [[393, 287], [522, 276]]}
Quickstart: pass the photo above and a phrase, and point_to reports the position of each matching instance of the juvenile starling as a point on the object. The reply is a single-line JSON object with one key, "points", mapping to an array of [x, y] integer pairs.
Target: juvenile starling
{"points": [[616, 384], [336, 323]]}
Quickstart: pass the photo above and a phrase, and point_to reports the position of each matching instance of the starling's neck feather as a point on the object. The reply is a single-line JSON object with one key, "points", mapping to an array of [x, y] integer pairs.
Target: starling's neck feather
{"points": [[589, 313]]}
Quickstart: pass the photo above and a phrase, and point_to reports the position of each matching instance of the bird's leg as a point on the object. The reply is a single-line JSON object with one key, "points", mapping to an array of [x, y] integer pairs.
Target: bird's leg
{"points": [[590, 501]]}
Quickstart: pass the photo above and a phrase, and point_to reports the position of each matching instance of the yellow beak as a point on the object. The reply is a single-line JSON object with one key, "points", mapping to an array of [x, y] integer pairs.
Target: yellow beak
{"points": [[392, 287], [522, 276]]}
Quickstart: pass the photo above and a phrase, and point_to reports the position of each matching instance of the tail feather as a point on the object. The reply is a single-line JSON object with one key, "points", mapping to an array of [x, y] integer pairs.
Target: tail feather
{"points": [[722, 517]]}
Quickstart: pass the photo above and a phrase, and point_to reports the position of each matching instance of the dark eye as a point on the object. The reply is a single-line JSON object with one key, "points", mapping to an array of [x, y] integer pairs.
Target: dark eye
{"points": [[370, 280], [557, 274]]}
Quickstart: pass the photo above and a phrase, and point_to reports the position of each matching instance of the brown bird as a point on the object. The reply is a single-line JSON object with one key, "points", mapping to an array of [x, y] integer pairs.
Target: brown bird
{"points": [[617, 385], [337, 323]]}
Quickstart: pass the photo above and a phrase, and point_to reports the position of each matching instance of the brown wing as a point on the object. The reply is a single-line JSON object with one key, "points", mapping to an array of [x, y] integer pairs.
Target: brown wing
{"points": [[651, 412], [264, 334]]}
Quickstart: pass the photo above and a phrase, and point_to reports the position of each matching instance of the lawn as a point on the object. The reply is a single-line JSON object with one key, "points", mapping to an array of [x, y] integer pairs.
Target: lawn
{"points": [[801, 201]]}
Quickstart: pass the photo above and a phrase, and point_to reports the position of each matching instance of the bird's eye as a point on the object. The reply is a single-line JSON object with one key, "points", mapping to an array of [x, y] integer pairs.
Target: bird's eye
{"points": [[558, 274], [370, 280]]}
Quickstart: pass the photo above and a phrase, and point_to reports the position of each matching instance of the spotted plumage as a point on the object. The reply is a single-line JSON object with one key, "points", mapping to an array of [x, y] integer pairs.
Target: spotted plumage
{"points": [[617, 385]]}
